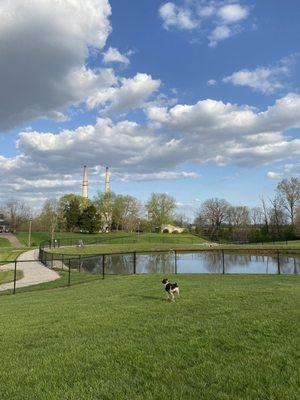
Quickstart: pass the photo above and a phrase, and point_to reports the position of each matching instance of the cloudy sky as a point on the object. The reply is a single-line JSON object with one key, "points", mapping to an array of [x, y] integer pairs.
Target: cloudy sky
{"points": [[196, 98]]}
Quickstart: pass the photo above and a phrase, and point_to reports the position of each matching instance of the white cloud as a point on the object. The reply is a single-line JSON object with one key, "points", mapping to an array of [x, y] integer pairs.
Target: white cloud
{"points": [[287, 171], [218, 21], [220, 33], [212, 82], [180, 17], [232, 13], [112, 55], [266, 80], [208, 131], [43, 42], [129, 94], [156, 176]]}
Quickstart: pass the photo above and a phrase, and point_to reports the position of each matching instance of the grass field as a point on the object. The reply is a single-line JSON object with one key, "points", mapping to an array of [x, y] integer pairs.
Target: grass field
{"points": [[227, 337], [8, 276], [10, 254], [4, 242]]}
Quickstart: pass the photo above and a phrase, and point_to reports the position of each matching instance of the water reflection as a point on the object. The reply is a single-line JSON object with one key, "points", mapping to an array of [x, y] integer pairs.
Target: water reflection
{"points": [[196, 262]]}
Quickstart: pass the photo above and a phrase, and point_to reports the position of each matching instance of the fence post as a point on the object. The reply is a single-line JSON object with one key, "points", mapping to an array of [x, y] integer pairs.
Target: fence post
{"points": [[103, 266], [223, 262], [15, 277], [69, 274], [52, 256], [175, 255], [62, 262], [134, 262], [278, 262], [79, 263]]}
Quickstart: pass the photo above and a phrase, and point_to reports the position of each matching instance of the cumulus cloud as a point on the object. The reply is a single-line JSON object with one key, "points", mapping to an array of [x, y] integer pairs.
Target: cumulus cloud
{"points": [[157, 176], [179, 17], [287, 171], [112, 55], [266, 80], [128, 94], [218, 21], [44, 45], [207, 131]]}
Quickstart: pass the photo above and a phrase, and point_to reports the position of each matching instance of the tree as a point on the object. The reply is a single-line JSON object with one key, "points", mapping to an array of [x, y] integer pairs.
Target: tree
{"points": [[212, 214], [256, 216], [277, 216], [289, 192], [126, 212], [17, 213], [89, 220], [238, 216], [71, 206], [104, 205], [160, 208], [49, 216]]}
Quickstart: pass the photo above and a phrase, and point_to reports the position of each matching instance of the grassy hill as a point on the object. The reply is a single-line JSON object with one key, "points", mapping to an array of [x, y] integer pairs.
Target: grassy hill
{"points": [[227, 337]]}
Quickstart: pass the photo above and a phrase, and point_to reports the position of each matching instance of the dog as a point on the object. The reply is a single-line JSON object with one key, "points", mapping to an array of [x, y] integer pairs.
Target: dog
{"points": [[171, 289]]}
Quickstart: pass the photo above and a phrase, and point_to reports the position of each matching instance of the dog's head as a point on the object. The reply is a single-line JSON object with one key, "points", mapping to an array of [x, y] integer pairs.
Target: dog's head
{"points": [[165, 281]]}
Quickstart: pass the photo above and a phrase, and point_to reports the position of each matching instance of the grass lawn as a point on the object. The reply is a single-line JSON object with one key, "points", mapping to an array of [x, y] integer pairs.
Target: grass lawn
{"points": [[228, 337], [115, 237], [10, 254], [4, 242], [8, 276]]}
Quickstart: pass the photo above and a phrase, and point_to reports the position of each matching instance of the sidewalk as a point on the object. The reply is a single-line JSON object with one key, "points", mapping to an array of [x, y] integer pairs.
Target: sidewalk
{"points": [[33, 272]]}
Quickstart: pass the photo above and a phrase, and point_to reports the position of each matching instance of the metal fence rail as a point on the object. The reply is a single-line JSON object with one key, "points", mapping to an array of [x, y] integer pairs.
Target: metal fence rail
{"points": [[82, 268]]}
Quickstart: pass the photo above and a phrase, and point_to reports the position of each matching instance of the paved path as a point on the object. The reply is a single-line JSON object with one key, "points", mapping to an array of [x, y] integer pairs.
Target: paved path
{"points": [[14, 241], [33, 271]]}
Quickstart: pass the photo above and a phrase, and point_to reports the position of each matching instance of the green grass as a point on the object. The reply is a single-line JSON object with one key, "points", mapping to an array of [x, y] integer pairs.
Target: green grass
{"points": [[11, 254], [115, 237], [227, 337], [4, 242], [8, 276]]}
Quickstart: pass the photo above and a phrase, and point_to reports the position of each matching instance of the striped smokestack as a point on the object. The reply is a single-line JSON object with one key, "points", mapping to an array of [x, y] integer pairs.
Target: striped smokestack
{"points": [[85, 183]]}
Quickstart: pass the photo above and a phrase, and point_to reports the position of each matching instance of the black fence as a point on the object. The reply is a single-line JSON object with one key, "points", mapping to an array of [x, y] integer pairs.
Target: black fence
{"points": [[76, 269]]}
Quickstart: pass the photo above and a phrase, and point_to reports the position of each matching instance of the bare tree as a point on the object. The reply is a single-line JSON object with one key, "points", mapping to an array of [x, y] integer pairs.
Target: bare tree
{"points": [[212, 214], [17, 213], [49, 216], [289, 191], [238, 216], [265, 213], [277, 215], [256, 216]]}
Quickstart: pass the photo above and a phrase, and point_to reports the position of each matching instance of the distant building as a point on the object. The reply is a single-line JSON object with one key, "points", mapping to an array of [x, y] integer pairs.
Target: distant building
{"points": [[4, 225], [171, 229]]}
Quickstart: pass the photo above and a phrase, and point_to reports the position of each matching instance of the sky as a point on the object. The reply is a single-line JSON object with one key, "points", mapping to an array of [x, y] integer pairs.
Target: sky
{"points": [[195, 98]]}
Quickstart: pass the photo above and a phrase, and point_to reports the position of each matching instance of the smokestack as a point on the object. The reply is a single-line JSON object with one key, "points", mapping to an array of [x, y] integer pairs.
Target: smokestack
{"points": [[85, 183], [106, 187]]}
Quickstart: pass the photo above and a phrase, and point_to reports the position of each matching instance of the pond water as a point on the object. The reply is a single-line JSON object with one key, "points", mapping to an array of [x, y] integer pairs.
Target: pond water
{"points": [[205, 262]]}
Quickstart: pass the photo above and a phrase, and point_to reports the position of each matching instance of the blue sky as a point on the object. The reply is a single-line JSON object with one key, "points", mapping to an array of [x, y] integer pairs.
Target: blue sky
{"points": [[195, 98]]}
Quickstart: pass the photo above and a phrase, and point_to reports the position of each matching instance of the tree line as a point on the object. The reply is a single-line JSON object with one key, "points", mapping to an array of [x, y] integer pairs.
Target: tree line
{"points": [[277, 218]]}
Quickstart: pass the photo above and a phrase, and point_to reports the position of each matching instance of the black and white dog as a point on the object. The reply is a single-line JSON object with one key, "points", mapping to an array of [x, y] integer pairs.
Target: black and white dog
{"points": [[171, 289]]}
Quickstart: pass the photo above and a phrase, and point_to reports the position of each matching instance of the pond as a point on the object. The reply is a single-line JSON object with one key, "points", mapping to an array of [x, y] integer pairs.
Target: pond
{"points": [[205, 262]]}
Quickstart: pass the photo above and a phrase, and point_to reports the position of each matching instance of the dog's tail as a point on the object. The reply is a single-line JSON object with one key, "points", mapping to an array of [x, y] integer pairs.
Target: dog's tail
{"points": [[175, 284]]}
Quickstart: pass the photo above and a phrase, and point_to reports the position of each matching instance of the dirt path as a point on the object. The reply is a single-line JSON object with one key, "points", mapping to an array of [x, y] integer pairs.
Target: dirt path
{"points": [[33, 271], [14, 241]]}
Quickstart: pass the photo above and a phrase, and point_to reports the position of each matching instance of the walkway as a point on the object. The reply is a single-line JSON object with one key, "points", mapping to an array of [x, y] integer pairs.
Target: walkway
{"points": [[14, 241], [33, 271]]}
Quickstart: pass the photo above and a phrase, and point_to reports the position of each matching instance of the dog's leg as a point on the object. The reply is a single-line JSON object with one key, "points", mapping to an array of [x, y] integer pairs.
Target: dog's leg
{"points": [[172, 296]]}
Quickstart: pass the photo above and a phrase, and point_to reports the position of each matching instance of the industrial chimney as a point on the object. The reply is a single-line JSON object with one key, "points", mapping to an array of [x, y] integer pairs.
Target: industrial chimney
{"points": [[106, 187], [85, 183]]}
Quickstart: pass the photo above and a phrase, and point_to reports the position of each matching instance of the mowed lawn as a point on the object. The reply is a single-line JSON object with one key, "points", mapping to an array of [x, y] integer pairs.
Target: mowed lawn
{"points": [[227, 337]]}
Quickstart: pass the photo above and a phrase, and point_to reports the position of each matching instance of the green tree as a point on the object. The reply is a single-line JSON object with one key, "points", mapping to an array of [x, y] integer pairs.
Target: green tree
{"points": [[89, 220], [160, 208]]}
